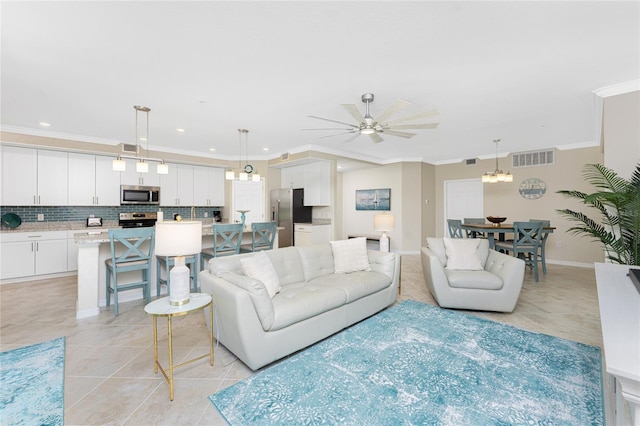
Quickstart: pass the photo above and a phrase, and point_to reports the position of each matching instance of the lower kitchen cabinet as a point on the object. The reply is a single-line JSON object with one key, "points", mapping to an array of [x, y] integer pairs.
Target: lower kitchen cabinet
{"points": [[24, 254], [307, 234]]}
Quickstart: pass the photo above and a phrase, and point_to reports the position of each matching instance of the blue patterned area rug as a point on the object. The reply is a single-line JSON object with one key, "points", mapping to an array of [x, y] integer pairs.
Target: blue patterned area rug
{"points": [[420, 364], [32, 384]]}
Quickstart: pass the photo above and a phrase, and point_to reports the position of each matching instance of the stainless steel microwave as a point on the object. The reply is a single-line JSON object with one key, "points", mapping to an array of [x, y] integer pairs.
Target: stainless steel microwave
{"points": [[134, 194]]}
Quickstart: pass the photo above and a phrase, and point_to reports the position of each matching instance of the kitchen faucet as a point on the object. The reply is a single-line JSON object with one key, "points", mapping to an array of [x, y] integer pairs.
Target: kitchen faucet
{"points": [[193, 212]]}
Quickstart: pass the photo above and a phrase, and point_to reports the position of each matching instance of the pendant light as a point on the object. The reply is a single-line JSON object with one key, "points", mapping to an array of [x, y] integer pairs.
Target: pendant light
{"points": [[497, 175], [119, 165], [244, 172], [141, 165]]}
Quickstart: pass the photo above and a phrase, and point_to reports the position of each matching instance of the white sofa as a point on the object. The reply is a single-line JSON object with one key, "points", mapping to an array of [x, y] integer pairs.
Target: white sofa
{"points": [[496, 287], [314, 302]]}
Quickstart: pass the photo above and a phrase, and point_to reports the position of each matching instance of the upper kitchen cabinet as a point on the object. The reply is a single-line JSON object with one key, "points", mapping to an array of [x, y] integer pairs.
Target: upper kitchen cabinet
{"points": [[176, 188], [33, 177], [314, 177], [132, 177], [208, 186], [92, 181]]}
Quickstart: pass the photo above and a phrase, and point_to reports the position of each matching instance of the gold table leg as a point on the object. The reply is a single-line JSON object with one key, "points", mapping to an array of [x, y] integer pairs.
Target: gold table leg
{"points": [[155, 345], [211, 332], [170, 359]]}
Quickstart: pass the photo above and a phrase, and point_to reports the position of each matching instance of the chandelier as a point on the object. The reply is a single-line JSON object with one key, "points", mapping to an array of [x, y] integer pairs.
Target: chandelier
{"points": [[246, 171], [142, 166], [497, 175]]}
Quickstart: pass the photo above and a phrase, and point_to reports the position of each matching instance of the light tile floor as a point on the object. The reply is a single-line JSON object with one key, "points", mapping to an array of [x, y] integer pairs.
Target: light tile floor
{"points": [[109, 363]]}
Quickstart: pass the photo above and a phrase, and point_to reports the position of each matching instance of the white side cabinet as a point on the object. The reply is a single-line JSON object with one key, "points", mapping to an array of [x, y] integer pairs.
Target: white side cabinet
{"points": [[208, 186], [32, 177], [24, 254], [307, 234]]}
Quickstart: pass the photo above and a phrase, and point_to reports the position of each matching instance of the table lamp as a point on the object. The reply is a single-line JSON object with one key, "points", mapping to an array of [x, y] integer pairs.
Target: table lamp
{"points": [[384, 222], [179, 239]]}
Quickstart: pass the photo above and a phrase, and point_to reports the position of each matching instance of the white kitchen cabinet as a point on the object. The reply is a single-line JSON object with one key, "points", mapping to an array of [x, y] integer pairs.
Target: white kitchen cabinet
{"points": [[92, 181], [314, 177], [208, 186], [317, 184], [176, 188], [25, 254], [131, 177], [307, 234], [33, 177]]}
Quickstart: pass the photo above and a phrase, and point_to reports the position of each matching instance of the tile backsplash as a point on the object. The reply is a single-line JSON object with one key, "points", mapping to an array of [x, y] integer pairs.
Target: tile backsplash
{"points": [[81, 213]]}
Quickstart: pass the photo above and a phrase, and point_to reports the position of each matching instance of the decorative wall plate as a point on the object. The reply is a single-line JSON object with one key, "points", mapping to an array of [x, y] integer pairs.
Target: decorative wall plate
{"points": [[532, 188]]}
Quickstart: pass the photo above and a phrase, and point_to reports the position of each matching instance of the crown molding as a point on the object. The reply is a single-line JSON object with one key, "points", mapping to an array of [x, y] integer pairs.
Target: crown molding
{"points": [[618, 89]]}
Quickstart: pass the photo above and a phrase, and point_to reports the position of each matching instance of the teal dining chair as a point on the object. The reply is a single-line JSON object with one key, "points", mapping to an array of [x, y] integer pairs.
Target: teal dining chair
{"points": [[455, 228], [525, 244], [543, 243], [227, 239], [136, 257], [263, 235], [474, 221]]}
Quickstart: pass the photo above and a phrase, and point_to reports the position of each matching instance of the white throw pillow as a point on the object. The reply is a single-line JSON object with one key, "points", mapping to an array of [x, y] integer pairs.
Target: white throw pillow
{"points": [[350, 255], [462, 253], [259, 267]]}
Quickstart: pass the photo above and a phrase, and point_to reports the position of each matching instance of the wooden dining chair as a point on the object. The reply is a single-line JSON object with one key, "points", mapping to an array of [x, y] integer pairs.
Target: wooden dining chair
{"points": [[455, 228], [136, 257], [263, 235], [227, 239], [525, 244]]}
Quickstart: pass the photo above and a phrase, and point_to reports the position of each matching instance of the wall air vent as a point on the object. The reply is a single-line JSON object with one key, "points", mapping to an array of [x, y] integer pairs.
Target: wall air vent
{"points": [[284, 156], [470, 161], [534, 158], [129, 148]]}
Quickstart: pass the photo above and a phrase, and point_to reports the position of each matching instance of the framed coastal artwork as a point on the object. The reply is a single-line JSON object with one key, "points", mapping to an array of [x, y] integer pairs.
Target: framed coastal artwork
{"points": [[373, 199]]}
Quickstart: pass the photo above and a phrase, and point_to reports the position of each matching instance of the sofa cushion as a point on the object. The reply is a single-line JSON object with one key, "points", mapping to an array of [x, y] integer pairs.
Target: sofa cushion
{"points": [[317, 260], [297, 302], [259, 267], [350, 255], [473, 279], [462, 254], [259, 296], [356, 284], [286, 262]]}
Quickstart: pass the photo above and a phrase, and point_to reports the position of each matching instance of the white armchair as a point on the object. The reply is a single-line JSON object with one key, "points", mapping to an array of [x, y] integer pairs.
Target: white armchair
{"points": [[496, 287]]}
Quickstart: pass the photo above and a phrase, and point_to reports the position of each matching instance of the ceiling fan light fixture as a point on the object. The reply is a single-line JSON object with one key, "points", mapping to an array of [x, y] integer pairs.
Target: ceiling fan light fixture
{"points": [[367, 131]]}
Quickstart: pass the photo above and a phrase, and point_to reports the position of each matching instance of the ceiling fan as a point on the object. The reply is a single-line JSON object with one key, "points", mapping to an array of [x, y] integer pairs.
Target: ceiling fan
{"points": [[373, 127]]}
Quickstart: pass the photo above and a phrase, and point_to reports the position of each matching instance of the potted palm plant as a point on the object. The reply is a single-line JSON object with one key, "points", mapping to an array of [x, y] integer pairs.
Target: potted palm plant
{"points": [[618, 203]]}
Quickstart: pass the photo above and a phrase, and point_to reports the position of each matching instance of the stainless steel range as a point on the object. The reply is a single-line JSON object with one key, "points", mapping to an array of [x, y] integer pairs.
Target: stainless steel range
{"points": [[137, 220]]}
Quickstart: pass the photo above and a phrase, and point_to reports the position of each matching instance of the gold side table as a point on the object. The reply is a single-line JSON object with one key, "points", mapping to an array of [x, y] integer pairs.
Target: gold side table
{"points": [[162, 308]]}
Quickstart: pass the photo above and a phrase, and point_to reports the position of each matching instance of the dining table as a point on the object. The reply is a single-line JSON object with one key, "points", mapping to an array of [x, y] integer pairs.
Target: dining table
{"points": [[490, 229]]}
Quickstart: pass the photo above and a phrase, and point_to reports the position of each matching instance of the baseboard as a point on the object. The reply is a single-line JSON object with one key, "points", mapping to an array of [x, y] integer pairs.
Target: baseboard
{"points": [[567, 263]]}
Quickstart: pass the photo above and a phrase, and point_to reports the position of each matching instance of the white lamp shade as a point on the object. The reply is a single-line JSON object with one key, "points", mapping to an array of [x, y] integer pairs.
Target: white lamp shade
{"points": [[178, 238], [255, 177], [243, 176], [163, 168], [229, 175], [119, 165], [142, 167], [384, 222]]}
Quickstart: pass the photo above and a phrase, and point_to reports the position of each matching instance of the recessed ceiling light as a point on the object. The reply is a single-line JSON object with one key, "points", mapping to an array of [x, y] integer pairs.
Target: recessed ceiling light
{"points": [[212, 149], [265, 149], [143, 139], [180, 130], [43, 124]]}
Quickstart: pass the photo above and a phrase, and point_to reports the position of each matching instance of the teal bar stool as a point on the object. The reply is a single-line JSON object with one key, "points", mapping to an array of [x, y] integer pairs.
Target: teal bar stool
{"points": [[167, 262], [263, 234], [227, 239], [136, 257]]}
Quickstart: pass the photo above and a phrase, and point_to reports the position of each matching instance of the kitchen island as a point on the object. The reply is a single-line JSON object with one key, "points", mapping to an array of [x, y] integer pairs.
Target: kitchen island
{"points": [[93, 250]]}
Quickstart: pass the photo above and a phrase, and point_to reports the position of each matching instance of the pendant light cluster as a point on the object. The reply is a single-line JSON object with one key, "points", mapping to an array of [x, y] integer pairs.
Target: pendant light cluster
{"points": [[246, 172], [497, 175], [142, 166]]}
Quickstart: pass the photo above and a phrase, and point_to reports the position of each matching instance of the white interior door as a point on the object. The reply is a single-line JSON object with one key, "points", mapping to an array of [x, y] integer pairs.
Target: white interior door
{"points": [[248, 195], [462, 198]]}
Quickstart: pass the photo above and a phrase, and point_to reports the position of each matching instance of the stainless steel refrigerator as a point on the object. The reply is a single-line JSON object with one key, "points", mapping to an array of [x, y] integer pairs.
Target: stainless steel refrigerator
{"points": [[287, 208]]}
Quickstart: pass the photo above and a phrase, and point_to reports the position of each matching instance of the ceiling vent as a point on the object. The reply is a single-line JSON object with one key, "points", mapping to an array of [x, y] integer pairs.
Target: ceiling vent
{"points": [[470, 161], [129, 148], [284, 156], [534, 158]]}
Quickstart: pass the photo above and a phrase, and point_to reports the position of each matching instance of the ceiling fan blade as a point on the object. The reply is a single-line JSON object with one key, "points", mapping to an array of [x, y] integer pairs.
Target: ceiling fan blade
{"points": [[376, 137], [355, 135], [398, 105], [330, 128], [411, 126], [337, 134], [400, 134], [354, 112], [413, 117], [334, 121]]}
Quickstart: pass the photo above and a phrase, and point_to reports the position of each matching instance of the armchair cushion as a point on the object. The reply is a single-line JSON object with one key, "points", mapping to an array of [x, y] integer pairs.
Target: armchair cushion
{"points": [[462, 254]]}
